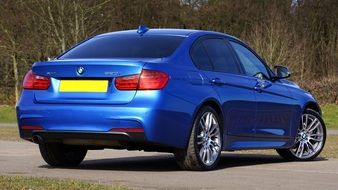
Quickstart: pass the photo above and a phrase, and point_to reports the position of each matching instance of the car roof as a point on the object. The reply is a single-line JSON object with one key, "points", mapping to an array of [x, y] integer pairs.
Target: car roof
{"points": [[169, 32]]}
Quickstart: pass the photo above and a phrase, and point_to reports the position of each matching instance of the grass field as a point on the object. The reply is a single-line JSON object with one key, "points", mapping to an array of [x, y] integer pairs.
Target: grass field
{"points": [[7, 114], [330, 114], [34, 183]]}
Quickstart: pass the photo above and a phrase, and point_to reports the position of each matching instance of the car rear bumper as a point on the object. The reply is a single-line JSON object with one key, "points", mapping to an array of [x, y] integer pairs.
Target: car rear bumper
{"points": [[99, 139], [149, 112]]}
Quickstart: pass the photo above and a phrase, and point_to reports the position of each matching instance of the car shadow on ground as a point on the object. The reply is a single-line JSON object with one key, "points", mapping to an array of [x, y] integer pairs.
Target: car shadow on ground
{"points": [[167, 162]]}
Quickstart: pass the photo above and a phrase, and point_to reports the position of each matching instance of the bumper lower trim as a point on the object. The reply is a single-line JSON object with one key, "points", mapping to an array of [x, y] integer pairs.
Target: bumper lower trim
{"points": [[52, 136]]}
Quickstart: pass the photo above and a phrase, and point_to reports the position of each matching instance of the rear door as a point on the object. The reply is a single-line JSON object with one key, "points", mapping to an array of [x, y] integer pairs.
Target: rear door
{"points": [[215, 59], [275, 104]]}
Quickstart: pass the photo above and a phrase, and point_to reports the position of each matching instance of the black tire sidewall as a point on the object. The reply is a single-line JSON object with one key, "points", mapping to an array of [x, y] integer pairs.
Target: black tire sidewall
{"points": [[60, 155]]}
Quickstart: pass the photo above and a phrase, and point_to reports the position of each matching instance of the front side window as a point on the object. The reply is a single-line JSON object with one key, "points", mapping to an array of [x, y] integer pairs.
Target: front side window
{"points": [[252, 65], [125, 46], [220, 56]]}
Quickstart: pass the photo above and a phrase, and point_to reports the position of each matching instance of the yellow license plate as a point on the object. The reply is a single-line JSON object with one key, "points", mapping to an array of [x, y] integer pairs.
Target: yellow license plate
{"points": [[83, 86]]}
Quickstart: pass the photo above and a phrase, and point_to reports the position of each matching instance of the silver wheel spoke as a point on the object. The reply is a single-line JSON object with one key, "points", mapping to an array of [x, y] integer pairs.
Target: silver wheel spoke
{"points": [[310, 146], [314, 127], [202, 153], [209, 139], [208, 155], [202, 124], [306, 119], [301, 150], [309, 140], [215, 131], [317, 140], [309, 127], [208, 122], [315, 135]]}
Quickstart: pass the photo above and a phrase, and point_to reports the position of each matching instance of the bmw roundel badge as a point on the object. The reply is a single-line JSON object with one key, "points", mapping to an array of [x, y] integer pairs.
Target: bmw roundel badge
{"points": [[80, 70]]}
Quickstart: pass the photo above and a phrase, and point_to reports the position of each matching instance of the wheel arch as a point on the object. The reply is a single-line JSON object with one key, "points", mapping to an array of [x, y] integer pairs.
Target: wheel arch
{"points": [[313, 106], [214, 103]]}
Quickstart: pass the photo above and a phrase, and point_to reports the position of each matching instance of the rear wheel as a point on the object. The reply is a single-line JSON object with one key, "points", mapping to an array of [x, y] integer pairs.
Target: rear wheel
{"points": [[60, 155], [310, 139], [205, 143]]}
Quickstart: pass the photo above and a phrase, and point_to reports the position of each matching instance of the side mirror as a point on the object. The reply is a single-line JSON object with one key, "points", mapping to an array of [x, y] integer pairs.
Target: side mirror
{"points": [[281, 72]]}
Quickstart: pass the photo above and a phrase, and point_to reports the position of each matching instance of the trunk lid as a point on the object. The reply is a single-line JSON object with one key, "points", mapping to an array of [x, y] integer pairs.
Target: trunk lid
{"points": [[86, 81]]}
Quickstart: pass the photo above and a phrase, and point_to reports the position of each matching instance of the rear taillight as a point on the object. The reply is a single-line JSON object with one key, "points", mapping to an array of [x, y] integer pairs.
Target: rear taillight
{"points": [[147, 80], [152, 80], [35, 82], [127, 82]]}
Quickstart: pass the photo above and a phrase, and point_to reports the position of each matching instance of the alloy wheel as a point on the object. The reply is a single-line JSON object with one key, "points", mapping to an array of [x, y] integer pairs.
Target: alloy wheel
{"points": [[209, 139], [310, 137]]}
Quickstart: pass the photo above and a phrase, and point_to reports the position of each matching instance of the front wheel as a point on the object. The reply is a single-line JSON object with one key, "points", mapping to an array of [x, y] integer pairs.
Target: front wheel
{"points": [[205, 143], [310, 139], [60, 155]]}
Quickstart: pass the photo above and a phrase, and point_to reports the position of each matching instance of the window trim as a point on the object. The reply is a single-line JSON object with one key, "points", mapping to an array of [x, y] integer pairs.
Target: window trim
{"points": [[104, 35], [268, 69], [200, 39]]}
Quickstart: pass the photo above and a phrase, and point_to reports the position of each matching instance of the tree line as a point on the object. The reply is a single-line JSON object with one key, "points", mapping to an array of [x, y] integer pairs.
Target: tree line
{"points": [[299, 34]]}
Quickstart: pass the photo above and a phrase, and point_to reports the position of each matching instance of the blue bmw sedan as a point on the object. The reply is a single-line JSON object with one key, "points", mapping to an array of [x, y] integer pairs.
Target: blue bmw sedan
{"points": [[189, 92]]}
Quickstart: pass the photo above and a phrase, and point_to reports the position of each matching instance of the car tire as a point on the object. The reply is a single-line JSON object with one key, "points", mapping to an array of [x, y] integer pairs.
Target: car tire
{"points": [[193, 157], [60, 155], [311, 122]]}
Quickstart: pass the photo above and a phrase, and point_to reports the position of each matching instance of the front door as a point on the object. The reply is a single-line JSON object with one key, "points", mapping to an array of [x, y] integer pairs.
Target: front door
{"points": [[275, 104]]}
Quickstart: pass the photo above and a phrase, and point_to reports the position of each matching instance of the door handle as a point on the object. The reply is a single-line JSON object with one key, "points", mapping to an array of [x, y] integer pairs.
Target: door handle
{"points": [[217, 81]]}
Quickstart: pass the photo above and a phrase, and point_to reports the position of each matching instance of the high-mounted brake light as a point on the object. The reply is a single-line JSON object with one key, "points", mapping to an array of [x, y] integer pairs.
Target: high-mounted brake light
{"points": [[35, 82], [147, 80]]}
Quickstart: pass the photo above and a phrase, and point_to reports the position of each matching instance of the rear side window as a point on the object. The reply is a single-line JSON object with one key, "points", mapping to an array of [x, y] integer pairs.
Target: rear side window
{"points": [[221, 56], [125, 46], [200, 57]]}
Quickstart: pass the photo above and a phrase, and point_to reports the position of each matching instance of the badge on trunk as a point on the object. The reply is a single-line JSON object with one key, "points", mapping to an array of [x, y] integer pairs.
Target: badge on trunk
{"points": [[80, 70]]}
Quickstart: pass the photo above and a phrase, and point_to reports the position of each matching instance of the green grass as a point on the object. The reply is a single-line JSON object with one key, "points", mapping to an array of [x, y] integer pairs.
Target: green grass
{"points": [[9, 133], [330, 114], [7, 114], [43, 183]]}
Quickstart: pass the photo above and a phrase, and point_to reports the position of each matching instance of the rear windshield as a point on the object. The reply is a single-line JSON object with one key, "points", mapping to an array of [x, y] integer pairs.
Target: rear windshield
{"points": [[125, 46]]}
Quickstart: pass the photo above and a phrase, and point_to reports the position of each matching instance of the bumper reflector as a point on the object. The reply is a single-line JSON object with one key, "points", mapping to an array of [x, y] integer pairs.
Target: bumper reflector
{"points": [[30, 127], [128, 130]]}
